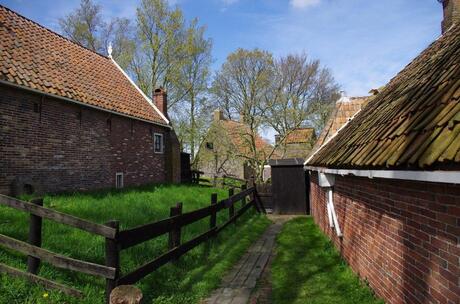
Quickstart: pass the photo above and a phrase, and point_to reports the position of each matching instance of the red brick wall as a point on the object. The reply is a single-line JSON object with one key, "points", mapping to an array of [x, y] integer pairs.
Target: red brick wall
{"points": [[401, 236], [70, 147]]}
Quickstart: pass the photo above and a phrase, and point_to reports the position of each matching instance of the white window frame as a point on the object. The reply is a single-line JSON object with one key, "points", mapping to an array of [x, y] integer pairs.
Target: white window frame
{"points": [[162, 146], [122, 180]]}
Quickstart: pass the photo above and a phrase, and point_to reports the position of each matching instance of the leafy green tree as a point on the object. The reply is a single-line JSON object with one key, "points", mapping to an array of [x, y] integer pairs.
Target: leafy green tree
{"points": [[86, 26], [304, 94], [161, 34], [283, 94], [193, 82], [243, 88]]}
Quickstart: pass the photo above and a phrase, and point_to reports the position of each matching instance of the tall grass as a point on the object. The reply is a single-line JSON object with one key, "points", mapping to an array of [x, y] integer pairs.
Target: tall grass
{"points": [[187, 281]]}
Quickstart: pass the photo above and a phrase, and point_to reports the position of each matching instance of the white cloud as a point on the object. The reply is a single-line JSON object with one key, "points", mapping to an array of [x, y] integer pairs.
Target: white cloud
{"points": [[303, 3], [229, 2]]}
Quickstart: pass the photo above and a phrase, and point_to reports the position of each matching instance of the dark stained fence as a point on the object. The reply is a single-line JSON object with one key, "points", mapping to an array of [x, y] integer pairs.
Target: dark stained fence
{"points": [[174, 224], [185, 169], [36, 254], [264, 191], [289, 186], [119, 240]]}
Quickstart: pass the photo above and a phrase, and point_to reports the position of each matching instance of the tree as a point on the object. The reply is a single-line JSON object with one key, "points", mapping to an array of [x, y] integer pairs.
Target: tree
{"points": [[158, 61], [284, 94], [87, 27], [84, 25], [243, 87], [304, 94], [194, 78]]}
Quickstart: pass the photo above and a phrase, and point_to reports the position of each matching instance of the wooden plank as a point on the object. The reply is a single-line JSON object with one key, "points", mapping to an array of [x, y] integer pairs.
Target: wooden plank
{"points": [[57, 260], [135, 236], [213, 219], [39, 280], [239, 213], [146, 269], [58, 217], [112, 259], [237, 197], [175, 235], [35, 238]]}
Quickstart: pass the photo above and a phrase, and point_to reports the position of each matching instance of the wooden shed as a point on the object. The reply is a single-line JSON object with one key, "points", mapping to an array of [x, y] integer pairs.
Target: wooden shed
{"points": [[289, 186]]}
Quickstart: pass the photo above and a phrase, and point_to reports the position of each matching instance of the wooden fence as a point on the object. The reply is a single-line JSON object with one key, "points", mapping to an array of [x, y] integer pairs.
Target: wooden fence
{"points": [[116, 240]]}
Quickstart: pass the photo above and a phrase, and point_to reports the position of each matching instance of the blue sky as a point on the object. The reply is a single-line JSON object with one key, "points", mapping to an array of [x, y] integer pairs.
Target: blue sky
{"points": [[364, 42]]}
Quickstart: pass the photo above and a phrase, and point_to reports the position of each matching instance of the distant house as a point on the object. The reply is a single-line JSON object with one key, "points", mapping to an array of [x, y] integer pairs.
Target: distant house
{"points": [[344, 110], [228, 147], [297, 144], [71, 119], [386, 186]]}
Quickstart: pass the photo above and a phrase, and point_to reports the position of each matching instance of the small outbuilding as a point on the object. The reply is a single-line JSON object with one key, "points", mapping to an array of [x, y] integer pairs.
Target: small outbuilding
{"points": [[289, 186]]}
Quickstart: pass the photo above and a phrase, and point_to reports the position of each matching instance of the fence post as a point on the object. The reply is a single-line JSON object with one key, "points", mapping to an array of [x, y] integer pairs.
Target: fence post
{"points": [[112, 259], [175, 234], [213, 219], [243, 200], [258, 202], [231, 209], [252, 184], [35, 237]]}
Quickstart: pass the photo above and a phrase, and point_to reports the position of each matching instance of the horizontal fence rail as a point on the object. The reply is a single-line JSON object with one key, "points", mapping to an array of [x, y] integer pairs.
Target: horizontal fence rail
{"points": [[57, 260], [173, 254], [39, 280], [58, 217], [141, 234]]}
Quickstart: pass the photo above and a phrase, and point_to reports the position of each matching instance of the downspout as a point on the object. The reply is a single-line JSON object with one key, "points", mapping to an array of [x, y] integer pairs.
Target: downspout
{"points": [[333, 221], [327, 182]]}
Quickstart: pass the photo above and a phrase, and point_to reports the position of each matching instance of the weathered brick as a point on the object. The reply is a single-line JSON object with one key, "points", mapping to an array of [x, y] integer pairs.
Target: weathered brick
{"points": [[68, 147], [405, 245]]}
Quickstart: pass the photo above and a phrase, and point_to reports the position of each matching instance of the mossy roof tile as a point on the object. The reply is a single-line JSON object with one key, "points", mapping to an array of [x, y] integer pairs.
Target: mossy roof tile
{"points": [[413, 123]]}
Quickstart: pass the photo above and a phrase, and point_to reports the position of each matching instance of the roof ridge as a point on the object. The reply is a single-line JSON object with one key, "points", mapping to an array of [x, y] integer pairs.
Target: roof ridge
{"points": [[51, 31]]}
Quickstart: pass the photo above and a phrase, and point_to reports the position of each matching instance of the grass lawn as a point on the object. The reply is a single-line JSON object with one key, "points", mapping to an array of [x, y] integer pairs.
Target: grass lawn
{"points": [[308, 269], [187, 281]]}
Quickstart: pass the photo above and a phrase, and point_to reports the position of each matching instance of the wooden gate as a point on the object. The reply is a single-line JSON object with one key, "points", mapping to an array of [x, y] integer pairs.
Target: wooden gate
{"points": [[264, 192], [289, 186]]}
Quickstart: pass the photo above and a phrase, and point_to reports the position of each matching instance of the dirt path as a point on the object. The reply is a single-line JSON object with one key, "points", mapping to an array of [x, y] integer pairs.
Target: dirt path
{"points": [[238, 285]]}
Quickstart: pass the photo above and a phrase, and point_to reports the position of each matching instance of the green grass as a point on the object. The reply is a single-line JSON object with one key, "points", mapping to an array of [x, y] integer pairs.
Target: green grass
{"points": [[308, 269], [187, 281]]}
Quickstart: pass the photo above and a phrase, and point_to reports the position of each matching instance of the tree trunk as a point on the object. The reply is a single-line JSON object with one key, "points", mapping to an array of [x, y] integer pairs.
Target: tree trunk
{"points": [[192, 126]]}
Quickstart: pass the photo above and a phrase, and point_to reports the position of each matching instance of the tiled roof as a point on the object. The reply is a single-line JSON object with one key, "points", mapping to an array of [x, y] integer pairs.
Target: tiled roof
{"points": [[34, 57], [344, 110], [238, 133], [300, 136], [413, 123]]}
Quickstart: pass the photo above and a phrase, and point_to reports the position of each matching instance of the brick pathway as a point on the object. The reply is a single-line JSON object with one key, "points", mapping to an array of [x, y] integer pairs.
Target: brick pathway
{"points": [[238, 284]]}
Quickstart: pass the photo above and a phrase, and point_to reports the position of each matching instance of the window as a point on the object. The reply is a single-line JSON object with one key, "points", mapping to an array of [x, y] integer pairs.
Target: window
{"points": [[119, 180], [158, 143], [209, 145]]}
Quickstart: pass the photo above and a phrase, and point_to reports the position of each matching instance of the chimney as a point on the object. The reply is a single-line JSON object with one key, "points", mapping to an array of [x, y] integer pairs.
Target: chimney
{"points": [[277, 139], [161, 100], [218, 115], [451, 13]]}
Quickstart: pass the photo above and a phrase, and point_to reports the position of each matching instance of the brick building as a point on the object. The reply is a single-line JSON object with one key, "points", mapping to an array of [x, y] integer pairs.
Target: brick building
{"points": [[386, 187], [71, 119], [344, 110], [296, 144], [226, 148]]}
